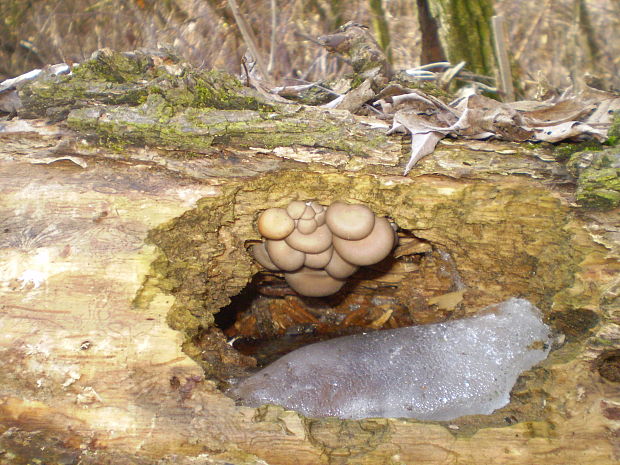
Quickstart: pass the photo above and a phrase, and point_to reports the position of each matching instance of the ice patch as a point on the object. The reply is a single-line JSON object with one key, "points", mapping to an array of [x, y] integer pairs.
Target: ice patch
{"points": [[431, 372]]}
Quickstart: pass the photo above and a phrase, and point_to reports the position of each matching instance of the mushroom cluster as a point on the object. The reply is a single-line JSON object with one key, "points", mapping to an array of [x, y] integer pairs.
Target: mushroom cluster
{"points": [[317, 248]]}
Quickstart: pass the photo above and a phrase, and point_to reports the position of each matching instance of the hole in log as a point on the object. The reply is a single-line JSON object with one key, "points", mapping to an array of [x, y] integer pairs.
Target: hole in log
{"points": [[267, 319], [462, 247]]}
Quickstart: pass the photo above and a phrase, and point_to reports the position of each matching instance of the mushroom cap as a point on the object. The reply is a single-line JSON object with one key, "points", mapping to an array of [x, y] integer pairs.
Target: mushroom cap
{"points": [[295, 209], [317, 207], [316, 242], [319, 260], [306, 226], [283, 256], [338, 267], [369, 250], [313, 283], [320, 211], [275, 224], [350, 222], [259, 252], [308, 213]]}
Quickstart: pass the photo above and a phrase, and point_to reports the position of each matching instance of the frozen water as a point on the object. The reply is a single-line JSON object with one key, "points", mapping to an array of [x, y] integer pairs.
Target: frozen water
{"points": [[432, 372]]}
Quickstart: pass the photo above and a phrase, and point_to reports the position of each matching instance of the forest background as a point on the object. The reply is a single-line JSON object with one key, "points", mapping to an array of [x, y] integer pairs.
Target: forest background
{"points": [[548, 41]]}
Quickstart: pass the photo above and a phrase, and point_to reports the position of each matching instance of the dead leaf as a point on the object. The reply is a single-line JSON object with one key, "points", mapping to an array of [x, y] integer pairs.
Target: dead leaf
{"points": [[568, 130], [410, 246], [354, 99], [447, 301], [604, 113], [561, 112], [421, 145]]}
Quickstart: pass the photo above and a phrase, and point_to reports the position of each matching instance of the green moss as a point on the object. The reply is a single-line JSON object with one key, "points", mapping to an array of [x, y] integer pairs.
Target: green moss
{"points": [[564, 151], [215, 89], [114, 78], [428, 87], [190, 272], [157, 124], [613, 136], [599, 188], [598, 178], [110, 66]]}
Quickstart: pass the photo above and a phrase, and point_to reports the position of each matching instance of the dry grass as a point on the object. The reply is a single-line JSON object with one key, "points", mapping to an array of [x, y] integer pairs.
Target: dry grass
{"points": [[542, 39]]}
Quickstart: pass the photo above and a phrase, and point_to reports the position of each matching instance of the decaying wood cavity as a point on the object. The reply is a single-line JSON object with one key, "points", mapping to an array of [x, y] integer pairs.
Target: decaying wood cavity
{"points": [[483, 243]]}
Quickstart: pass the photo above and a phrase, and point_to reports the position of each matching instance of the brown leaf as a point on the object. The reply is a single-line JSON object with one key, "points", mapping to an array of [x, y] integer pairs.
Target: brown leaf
{"points": [[561, 112], [411, 246], [354, 99], [447, 301], [568, 130]]}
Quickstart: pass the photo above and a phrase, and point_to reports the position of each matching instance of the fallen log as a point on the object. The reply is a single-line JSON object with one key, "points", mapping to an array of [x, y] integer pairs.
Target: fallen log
{"points": [[120, 251]]}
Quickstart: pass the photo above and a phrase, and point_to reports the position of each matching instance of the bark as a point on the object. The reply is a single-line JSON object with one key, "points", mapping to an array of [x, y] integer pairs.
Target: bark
{"points": [[465, 32], [431, 52], [117, 255], [380, 26]]}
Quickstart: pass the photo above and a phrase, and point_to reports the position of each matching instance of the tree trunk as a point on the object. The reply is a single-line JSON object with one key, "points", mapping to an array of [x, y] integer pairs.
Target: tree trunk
{"points": [[380, 27], [122, 237], [465, 32], [432, 51]]}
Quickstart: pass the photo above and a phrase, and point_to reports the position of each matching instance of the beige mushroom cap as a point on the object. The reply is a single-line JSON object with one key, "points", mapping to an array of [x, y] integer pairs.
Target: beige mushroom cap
{"points": [[275, 224], [319, 260], [339, 268], [259, 252], [320, 218], [350, 222], [316, 242], [306, 226], [308, 213], [296, 208], [313, 283], [283, 256], [369, 250], [317, 207]]}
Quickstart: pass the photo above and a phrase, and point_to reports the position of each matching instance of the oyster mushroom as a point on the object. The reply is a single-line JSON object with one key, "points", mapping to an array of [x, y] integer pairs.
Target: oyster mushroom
{"points": [[319, 247], [259, 252], [371, 249], [284, 256], [319, 260], [306, 226], [320, 211], [308, 213], [313, 283], [351, 222], [275, 224], [316, 242], [296, 208], [339, 268]]}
